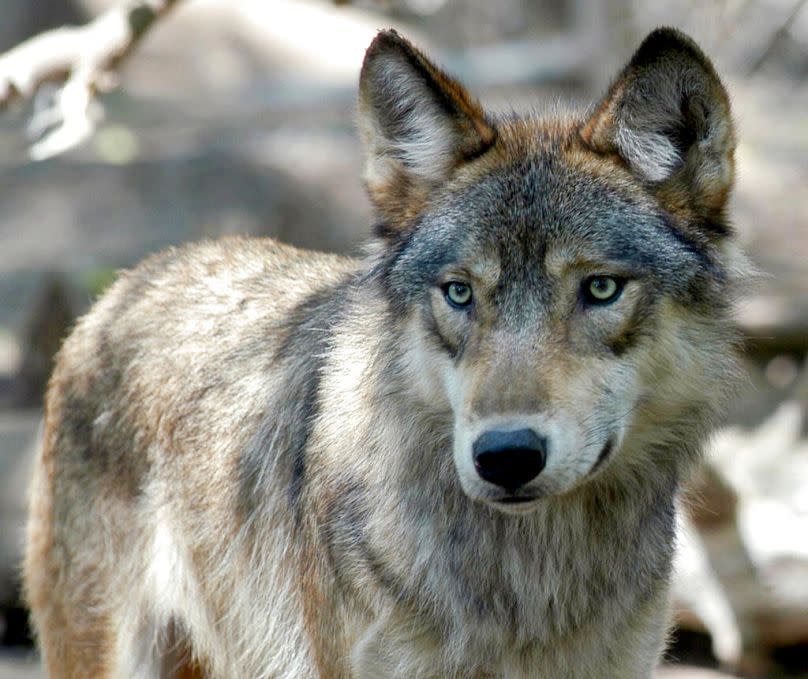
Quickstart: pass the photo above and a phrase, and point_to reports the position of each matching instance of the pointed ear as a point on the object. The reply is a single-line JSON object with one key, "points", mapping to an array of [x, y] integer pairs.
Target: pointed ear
{"points": [[667, 116], [418, 125]]}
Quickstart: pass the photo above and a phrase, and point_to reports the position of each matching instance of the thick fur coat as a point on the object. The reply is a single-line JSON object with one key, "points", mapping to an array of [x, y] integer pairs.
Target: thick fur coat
{"points": [[268, 463]]}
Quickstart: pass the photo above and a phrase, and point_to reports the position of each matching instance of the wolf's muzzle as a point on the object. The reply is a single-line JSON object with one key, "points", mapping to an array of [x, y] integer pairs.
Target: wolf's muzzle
{"points": [[509, 459]]}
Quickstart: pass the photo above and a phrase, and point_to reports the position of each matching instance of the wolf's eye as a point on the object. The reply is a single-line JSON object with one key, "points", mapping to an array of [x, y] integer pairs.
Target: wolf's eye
{"points": [[602, 289], [457, 294]]}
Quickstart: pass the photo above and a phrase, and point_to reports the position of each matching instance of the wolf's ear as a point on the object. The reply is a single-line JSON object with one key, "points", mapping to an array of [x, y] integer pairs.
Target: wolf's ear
{"points": [[417, 123], [667, 116]]}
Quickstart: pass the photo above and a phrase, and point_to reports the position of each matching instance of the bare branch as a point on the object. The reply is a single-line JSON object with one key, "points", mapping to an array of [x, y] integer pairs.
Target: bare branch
{"points": [[82, 59], [778, 35]]}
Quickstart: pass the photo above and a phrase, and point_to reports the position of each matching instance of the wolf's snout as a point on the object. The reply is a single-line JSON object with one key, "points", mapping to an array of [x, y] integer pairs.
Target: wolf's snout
{"points": [[510, 459]]}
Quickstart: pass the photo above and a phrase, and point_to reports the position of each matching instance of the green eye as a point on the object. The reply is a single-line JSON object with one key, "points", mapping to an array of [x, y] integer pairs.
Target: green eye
{"points": [[602, 289], [458, 294]]}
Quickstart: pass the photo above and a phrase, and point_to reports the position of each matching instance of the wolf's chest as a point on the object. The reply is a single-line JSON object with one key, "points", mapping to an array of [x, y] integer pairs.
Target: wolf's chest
{"points": [[499, 582], [507, 618]]}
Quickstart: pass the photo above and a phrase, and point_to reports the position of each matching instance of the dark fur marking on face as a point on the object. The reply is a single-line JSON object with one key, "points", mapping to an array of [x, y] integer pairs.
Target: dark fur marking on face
{"points": [[691, 245], [705, 285], [639, 325], [279, 446], [434, 333], [461, 348], [628, 340], [604, 454]]}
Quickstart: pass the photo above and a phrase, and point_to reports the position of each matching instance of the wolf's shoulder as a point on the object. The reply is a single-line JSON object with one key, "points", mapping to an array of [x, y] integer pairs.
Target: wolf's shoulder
{"points": [[231, 270], [239, 259], [213, 293]]}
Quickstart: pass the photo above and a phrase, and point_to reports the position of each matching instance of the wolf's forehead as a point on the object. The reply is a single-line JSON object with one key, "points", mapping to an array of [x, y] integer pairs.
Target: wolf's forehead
{"points": [[536, 205], [542, 211]]}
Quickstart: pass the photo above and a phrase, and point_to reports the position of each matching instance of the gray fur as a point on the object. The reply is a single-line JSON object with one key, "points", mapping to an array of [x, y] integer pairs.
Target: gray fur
{"points": [[259, 456]]}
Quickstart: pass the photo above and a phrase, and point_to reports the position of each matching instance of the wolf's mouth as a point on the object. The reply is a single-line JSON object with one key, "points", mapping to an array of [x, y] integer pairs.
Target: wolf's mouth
{"points": [[516, 500], [516, 504]]}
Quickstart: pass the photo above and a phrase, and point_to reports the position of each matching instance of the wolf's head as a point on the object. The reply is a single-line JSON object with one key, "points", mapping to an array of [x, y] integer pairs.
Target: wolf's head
{"points": [[565, 282]]}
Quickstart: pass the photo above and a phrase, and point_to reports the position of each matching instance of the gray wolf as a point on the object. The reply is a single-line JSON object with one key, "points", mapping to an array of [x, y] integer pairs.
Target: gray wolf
{"points": [[456, 457]]}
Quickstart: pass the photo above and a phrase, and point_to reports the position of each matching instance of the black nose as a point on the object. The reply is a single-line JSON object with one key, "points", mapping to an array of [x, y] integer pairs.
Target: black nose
{"points": [[510, 458]]}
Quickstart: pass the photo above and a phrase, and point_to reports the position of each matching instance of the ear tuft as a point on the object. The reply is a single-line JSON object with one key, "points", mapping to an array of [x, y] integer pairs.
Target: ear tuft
{"points": [[667, 115], [417, 123]]}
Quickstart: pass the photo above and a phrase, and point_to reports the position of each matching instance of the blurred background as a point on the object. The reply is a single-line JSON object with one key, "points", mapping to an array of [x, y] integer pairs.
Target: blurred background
{"points": [[237, 116]]}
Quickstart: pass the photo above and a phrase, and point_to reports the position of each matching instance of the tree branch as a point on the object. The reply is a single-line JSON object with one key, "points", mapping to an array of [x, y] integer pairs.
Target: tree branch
{"points": [[82, 59], [778, 35]]}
